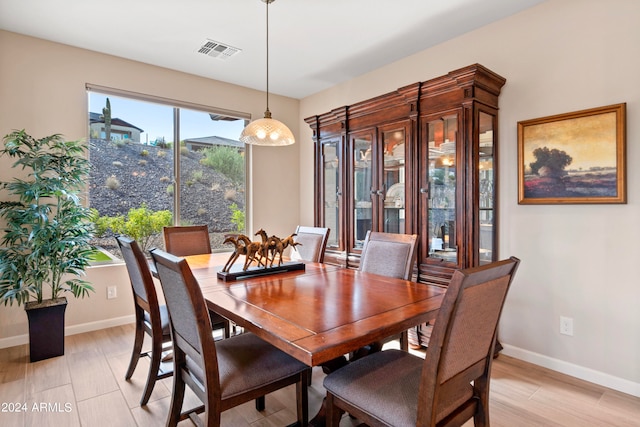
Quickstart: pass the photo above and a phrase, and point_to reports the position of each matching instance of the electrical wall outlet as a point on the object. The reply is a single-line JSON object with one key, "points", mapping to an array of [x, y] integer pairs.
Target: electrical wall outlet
{"points": [[112, 292], [566, 326]]}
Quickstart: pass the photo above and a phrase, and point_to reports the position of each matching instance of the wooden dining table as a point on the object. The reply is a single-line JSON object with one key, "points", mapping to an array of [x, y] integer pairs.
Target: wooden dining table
{"points": [[319, 313]]}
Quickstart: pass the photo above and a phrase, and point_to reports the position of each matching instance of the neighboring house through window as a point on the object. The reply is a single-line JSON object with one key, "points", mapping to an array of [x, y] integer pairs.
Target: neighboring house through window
{"points": [[119, 128]]}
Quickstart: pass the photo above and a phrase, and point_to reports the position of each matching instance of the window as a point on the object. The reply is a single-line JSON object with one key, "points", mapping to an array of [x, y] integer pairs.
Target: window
{"points": [[165, 161]]}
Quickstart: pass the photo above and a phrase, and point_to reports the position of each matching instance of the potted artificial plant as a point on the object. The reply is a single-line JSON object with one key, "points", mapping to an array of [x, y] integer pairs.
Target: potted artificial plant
{"points": [[45, 246]]}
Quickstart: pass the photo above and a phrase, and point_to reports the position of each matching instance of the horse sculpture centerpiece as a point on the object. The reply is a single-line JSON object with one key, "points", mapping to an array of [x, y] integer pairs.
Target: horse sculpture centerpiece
{"points": [[259, 256]]}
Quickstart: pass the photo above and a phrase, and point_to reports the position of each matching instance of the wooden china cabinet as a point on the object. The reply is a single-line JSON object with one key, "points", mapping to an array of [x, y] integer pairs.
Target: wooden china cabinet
{"points": [[422, 160]]}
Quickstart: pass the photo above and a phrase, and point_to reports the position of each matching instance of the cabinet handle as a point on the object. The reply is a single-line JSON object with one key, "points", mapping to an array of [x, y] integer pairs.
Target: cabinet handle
{"points": [[424, 190]]}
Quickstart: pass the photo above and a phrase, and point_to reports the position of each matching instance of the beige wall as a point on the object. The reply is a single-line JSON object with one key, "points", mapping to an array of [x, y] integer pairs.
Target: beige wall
{"points": [[42, 89], [577, 261]]}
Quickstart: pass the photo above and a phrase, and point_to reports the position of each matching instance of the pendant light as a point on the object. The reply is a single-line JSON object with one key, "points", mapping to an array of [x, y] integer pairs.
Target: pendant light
{"points": [[267, 131]]}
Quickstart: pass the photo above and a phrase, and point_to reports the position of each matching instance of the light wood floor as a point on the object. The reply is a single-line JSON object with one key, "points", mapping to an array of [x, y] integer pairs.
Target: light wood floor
{"points": [[86, 387]]}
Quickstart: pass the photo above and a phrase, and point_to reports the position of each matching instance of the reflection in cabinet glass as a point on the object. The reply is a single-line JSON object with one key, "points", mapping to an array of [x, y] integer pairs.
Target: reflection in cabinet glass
{"points": [[362, 188], [331, 179], [487, 189], [393, 181], [441, 163]]}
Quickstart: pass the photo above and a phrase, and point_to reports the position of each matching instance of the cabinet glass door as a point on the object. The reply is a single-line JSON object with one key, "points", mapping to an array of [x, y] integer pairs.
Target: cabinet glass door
{"points": [[331, 191], [362, 187], [486, 182], [441, 163], [393, 178]]}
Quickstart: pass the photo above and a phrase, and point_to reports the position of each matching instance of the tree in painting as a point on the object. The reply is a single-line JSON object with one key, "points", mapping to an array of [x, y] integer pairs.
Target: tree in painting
{"points": [[550, 162]]}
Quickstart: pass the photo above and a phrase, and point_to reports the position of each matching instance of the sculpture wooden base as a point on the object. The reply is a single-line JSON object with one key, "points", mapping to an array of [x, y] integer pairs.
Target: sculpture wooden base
{"points": [[238, 273]]}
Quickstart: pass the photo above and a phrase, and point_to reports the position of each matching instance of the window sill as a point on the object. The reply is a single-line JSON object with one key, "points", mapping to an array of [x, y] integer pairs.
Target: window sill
{"points": [[104, 258]]}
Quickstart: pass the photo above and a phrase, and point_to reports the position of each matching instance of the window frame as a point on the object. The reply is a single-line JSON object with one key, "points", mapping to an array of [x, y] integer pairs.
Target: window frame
{"points": [[176, 105]]}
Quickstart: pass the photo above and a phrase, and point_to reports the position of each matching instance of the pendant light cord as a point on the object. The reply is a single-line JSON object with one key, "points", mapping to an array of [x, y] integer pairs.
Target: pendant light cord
{"points": [[267, 131], [267, 2]]}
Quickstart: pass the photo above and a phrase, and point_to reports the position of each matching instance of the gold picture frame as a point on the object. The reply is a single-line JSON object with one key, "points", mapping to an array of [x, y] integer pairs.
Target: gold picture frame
{"points": [[573, 158]]}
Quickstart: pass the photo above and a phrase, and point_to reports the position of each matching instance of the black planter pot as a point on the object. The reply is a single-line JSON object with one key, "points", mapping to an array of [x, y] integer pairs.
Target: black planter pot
{"points": [[46, 328]]}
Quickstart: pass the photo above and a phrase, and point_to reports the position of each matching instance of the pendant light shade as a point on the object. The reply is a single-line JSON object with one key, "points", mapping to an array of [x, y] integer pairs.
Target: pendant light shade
{"points": [[267, 131]]}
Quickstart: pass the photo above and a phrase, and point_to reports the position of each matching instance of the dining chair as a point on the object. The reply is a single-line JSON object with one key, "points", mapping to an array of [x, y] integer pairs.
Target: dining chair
{"points": [[391, 255], [451, 384], [185, 240], [226, 373], [312, 243], [151, 317]]}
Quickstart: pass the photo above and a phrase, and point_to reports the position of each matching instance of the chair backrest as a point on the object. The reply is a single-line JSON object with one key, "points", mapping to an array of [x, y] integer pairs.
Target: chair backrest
{"points": [[187, 240], [313, 242], [461, 346], [144, 290], [389, 254], [189, 317]]}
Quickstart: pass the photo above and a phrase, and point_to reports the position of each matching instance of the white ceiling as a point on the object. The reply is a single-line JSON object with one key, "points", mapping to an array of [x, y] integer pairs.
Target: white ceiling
{"points": [[313, 44]]}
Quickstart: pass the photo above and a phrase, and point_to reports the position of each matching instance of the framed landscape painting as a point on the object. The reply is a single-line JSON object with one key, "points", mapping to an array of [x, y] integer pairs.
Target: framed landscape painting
{"points": [[574, 158]]}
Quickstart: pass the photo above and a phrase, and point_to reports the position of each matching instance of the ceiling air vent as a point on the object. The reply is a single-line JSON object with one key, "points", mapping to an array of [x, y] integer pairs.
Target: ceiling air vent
{"points": [[218, 50]]}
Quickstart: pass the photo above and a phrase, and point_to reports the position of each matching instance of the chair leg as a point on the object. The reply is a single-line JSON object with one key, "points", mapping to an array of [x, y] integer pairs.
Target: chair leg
{"points": [[177, 395], [227, 329], [212, 419], [154, 367], [333, 413], [216, 320], [137, 346], [404, 341], [260, 404], [481, 416], [176, 403]]}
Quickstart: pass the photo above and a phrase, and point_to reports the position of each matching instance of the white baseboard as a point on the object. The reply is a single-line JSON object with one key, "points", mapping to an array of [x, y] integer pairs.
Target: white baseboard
{"points": [[72, 330], [586, 374]]}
